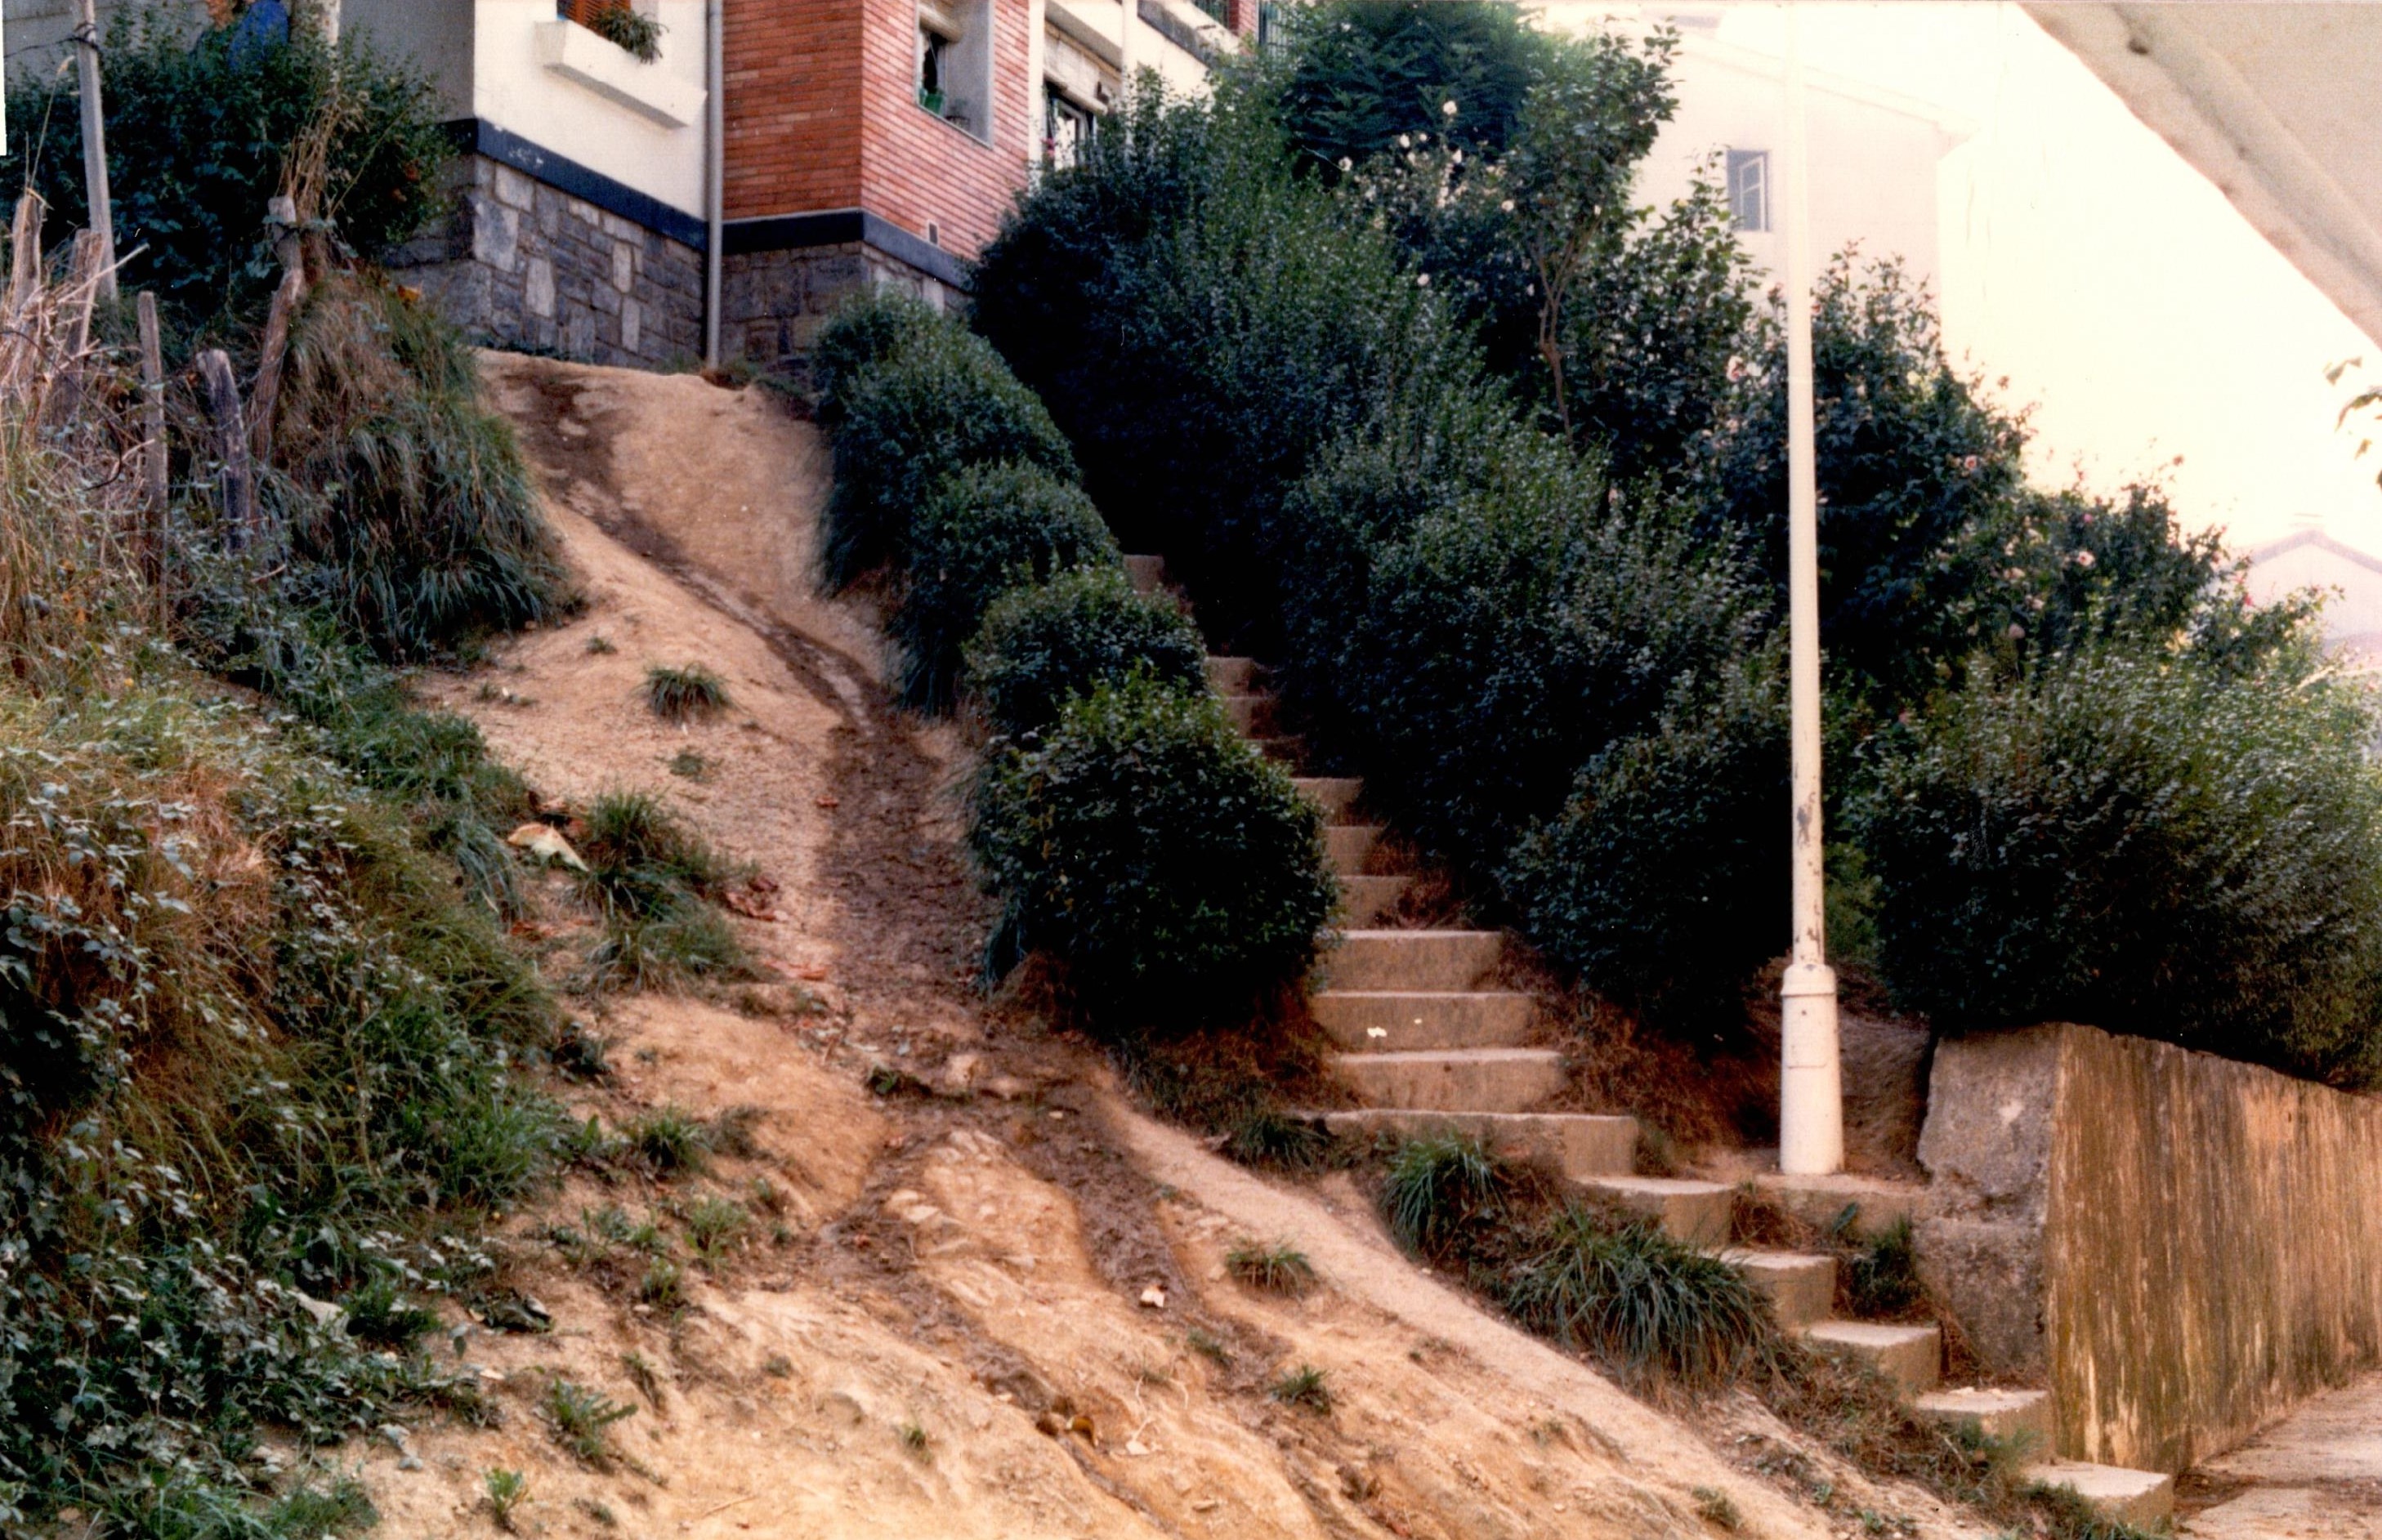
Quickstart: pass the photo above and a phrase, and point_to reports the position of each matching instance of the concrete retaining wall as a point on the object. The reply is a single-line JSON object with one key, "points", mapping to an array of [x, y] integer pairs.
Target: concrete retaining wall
{"points": [[2178, 1245]]}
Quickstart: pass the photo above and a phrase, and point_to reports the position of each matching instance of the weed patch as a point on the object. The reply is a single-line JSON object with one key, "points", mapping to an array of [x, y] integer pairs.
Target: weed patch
{"points": [[1278, 1268], [690, 693], [581, 1420], [1303, 1388]]}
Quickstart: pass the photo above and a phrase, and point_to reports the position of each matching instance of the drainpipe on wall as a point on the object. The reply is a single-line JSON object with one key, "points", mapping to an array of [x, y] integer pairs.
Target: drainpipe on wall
{"points": [[715, 116], [1037, 21]]}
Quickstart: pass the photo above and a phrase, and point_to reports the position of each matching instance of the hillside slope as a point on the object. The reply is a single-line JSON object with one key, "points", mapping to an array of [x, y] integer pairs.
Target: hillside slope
{"points": [[993, 1302]]}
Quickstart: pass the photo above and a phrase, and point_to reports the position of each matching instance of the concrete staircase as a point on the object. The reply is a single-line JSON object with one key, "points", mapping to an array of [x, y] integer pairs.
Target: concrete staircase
{"points": [[1427, 1041]]}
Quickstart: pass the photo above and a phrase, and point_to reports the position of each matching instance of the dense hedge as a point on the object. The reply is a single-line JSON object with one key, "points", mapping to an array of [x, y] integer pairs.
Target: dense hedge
{"points": [[864, 332], [2143, 844], [939, 403], [981, 533], [1142, 839], [1040, 645]]}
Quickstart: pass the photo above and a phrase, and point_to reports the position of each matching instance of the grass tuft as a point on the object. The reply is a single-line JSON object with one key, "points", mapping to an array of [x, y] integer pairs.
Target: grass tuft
{"points": [[1304, 1389], [1657, 1312], [1715, 1508], [670, 1142], [914, 1441], [581, 1421], [1275, 1141], [1879, 1271], [507, 1491], [1280, 1268], [1438, 1185], [691, 693]]}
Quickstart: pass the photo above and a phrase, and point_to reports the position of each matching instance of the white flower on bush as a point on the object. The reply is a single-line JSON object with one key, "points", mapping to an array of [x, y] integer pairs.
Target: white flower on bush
{"points": [[1406, 142], [2084, 559], [1422, 280], [1447, 108]]}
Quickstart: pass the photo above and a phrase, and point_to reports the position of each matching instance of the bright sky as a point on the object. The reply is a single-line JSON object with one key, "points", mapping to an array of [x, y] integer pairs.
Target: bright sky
{"points": [[2112, 284]]}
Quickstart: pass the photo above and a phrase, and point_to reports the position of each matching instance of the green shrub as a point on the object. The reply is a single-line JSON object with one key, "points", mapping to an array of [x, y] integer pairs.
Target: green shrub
{"points": [[1364, 72], [1438, 1185], [866, 331], [942, 403], [1509, 640], [1041, 645], [212, 120], [632, 30], [2143, 844], [983, 530], [1654, 1310], [1144, 844], [405, 500], [1664, 881]]}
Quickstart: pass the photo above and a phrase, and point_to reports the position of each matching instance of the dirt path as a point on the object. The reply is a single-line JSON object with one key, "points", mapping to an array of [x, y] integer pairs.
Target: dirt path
{"points": [[998, 1309]]}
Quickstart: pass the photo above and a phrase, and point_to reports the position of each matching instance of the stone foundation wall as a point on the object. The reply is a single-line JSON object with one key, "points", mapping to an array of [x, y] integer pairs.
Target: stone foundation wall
{"points": [[524, 264], [2181, 1246], [772, 303]]}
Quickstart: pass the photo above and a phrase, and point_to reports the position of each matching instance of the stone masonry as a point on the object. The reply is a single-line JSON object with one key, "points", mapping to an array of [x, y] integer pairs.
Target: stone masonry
{"points": [[772, 303], [522, 265]]}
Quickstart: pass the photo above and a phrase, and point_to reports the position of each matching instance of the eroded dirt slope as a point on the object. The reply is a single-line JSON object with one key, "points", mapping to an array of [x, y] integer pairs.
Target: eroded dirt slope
{"points": [[994, 1305]]}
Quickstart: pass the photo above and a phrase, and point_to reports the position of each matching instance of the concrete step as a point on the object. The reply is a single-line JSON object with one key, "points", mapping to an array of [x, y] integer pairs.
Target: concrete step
{"points": [[1996, 1413], [1457, 1079], [1147, 574], [1350, 845], [1366, 900], [1413, 960], [1372, 1020], [1801, 1284], [1911, 1356], [1577, 1144], [1286, 749], [1819, 1200], [1252, 715], [1233, 675], [1694, 1212], [1334, 794], [2144, 1499]]}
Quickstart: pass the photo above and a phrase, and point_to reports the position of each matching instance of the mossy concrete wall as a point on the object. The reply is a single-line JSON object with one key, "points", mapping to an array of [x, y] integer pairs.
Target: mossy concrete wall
{"points": [[2179, 1246]]}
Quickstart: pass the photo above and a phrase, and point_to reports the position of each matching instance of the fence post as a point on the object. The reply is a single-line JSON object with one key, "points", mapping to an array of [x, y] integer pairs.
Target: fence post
{"points": [[238, 497]]}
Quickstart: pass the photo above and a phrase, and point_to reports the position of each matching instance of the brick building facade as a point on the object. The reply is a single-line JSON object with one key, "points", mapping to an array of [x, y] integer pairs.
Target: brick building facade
{"points": [[861, 143]]}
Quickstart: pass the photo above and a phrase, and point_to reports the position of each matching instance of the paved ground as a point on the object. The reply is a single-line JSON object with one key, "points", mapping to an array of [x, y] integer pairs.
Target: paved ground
{"points": [[2315, 1476]]}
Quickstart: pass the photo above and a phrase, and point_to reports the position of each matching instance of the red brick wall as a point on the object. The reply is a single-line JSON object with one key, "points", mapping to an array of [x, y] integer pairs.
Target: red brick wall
{"points": [[793, 106], [822, 113]]}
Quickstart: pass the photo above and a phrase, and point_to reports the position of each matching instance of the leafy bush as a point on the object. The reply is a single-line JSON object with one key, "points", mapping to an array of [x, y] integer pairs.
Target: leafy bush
{"points": [[620, 24], [1653, 1309], [1038, 646], [938, 405], [213, 119], [1143, 843], [407, 502], [1505, 641], [1664, 881], [983, 530], [866, 331], [1364, 72], [2148, 846]]}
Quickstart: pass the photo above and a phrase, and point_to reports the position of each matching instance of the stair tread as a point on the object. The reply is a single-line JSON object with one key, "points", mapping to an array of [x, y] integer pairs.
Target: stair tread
{"points": [[1762, 1256], [1378, 934], [1979, 1400], [1659, 1186], [1469, 1056], [1869, 1334], [2102, 1482], [1421, 995]]}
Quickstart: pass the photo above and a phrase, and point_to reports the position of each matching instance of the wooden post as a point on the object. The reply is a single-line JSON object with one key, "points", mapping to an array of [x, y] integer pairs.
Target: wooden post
{"points": [[25, 251], [95, 149], [277, 349], [237, 498], [152, 418]]}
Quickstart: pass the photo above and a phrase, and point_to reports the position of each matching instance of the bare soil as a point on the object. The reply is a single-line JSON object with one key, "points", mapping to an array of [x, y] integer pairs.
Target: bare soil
{"points": [[991, 1301]]}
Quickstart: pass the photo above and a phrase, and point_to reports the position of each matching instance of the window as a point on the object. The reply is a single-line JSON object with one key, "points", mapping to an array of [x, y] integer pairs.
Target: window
{"points": [[1748, 188], [955, 63], [933, 61], [1067, 130]]}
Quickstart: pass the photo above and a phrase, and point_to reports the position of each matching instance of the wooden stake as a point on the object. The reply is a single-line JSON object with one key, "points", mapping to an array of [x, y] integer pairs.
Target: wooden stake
{"points": [[277, 349], [237, 498], [95, 149], [152, 410], [25, 251]]}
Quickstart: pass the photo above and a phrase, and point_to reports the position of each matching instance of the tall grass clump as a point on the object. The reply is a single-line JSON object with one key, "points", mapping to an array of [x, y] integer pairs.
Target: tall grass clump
{"points": [[1440, 1185], [1654, 1310], [405, 500]]}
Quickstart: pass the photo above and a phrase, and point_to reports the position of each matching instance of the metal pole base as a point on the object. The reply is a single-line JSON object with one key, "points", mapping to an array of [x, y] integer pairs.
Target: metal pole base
{"points": [[1811, 1094]]}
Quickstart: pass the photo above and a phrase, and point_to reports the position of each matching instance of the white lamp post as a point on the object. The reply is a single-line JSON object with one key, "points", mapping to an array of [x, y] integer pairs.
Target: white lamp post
{"points": [[1810, 1088]]}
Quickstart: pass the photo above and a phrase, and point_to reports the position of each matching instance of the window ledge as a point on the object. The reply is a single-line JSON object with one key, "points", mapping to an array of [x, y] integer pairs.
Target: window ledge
{"points": [[612, 72]]}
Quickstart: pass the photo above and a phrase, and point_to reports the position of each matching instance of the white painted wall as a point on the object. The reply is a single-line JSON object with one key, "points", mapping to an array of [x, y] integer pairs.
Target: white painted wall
{"points": [[2350, 580], [1874, 156], [484, 57]]}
